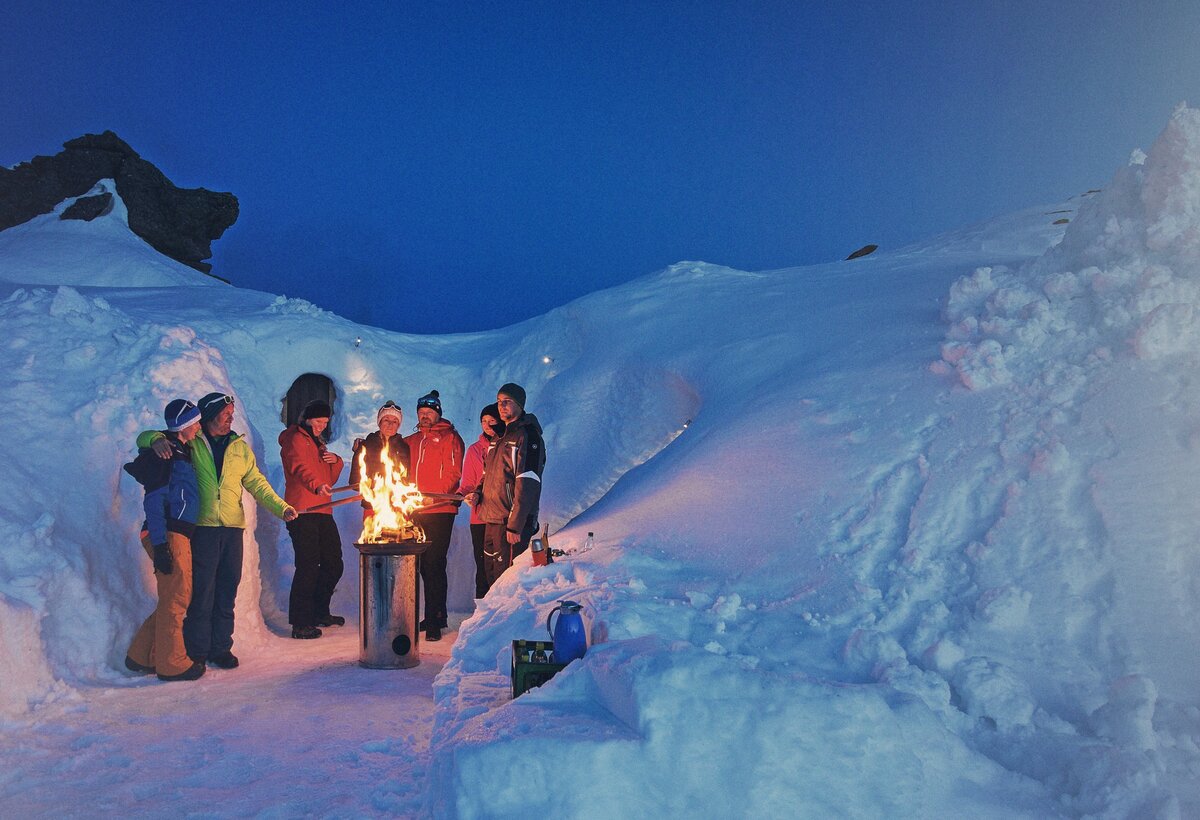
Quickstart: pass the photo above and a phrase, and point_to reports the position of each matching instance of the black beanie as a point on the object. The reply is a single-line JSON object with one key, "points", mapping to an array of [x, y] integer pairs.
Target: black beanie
{"points": [[514, 391], [494, 412], [316, 409], [431, 401]]}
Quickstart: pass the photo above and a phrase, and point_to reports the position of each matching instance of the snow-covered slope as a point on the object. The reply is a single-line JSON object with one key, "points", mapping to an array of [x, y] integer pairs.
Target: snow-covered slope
{"points": [[48, 250], [912, 535]]}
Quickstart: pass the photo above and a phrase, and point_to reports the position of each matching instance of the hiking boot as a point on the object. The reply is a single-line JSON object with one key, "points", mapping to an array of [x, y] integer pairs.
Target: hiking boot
{"points": [[433, 633], [196, 670], [134, 666], [331, 620], [224, 660], [305, 633]]}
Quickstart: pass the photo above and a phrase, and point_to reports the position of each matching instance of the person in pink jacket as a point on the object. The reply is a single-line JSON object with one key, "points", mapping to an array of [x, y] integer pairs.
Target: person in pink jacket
{"points": [[435, 454], [472, 480], [310, 472]]}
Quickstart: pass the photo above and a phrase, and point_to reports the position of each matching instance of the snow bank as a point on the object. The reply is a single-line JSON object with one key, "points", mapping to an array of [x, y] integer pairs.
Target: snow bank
{"points": [[81, 381], [1003, 570], [828, 575]]}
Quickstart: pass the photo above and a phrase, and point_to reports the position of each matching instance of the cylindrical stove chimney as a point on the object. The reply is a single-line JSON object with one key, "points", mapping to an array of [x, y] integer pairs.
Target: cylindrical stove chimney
{"points": [[389, 604]]}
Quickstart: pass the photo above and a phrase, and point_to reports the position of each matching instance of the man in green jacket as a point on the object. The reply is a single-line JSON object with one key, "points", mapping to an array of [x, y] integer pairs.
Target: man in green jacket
{"points": [[224, 465]]}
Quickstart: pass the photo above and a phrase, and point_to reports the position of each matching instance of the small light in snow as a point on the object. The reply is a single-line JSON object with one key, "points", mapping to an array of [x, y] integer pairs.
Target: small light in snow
{"points": [[357, 341], [687, 424], [546, 360]]}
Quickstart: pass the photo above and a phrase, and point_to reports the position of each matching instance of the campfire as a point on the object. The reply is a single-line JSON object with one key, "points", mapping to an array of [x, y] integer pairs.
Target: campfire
{"points": [[392, 501]]}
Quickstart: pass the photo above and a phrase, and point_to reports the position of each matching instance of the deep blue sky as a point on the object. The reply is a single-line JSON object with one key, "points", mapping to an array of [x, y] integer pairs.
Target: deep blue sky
{"points": [[436, 167]]}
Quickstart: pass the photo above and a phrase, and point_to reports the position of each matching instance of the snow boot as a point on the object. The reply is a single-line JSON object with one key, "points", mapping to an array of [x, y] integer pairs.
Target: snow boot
{"points": [[134, 666], [433, 633], [305, 633], [196, 670], [331, 620], [224, 660]]}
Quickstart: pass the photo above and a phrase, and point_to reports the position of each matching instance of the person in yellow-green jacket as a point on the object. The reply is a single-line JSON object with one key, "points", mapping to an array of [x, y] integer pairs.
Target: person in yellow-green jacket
{"points": [[224, 465]]}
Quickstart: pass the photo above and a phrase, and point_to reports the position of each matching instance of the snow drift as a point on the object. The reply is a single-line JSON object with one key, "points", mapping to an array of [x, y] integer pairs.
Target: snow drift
{"points": [[908, 535]]}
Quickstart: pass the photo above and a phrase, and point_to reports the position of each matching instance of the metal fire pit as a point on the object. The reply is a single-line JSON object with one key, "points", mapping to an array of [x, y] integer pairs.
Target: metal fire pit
{"points": [[389, 602]]}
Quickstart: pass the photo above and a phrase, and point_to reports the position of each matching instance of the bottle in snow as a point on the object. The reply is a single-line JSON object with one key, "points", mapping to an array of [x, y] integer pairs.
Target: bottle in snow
{"points": [[590, 542]]}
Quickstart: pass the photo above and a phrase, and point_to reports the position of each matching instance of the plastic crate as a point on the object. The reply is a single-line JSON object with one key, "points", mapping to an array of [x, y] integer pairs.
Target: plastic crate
{"points": [[531, 665]]}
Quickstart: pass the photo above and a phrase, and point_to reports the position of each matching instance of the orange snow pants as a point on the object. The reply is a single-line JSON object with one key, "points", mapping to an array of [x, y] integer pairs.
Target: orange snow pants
{"points": [[159, 641]]}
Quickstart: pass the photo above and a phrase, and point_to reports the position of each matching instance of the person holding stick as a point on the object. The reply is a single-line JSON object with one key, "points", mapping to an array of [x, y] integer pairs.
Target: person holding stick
{"points": [[310, 470], [436, 451], [225, 466], [389, 418]]}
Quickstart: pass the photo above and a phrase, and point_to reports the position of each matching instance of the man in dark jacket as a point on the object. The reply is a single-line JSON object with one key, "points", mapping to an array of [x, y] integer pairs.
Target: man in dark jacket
{"points": [[512, 483]]}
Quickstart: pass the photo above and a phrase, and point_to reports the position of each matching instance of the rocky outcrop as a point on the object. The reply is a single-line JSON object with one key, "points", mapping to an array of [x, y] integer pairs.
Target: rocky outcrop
{"points": [[88, 208], [177, 222]]}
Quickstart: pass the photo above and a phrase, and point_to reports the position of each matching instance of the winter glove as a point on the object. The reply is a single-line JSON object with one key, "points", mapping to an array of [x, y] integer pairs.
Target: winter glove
{"points": [[162, 560]]}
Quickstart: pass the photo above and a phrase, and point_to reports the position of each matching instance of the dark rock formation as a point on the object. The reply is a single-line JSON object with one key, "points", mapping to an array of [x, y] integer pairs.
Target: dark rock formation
{"points": [[863, 251], [180, 223], [88, 208]]}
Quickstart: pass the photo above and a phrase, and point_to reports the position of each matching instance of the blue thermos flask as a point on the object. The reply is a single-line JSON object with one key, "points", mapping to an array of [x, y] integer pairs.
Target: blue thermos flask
{"points": [[570, 642]]}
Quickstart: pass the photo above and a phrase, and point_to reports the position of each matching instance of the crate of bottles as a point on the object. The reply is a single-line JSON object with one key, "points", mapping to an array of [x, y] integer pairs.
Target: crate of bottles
{"points": [[532, 665]]}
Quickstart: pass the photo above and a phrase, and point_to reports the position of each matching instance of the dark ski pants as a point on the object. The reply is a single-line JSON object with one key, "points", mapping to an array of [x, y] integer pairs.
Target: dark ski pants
{"points": [[498, 554], [216, 573], [438, 528], [481, 579], [319, 566]]}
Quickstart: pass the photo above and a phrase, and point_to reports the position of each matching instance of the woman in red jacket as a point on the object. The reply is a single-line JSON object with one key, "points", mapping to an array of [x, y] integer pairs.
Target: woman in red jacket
{"points": [[435, 453], [310, 472]]}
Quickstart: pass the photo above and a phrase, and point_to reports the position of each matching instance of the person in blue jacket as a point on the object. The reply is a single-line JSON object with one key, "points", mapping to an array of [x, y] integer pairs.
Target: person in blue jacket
{"points": [[172, 505]]}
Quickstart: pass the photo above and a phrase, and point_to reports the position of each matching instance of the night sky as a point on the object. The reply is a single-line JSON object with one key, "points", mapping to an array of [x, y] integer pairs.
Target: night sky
{"points": [[441, 167]]}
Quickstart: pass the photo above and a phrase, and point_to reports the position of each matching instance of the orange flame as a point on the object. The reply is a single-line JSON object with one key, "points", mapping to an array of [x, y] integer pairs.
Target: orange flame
{"points": [[392, 501]]}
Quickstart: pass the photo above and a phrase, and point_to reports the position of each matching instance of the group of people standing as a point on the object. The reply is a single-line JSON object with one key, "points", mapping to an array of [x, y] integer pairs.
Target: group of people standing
{"points": [[194, 473]]}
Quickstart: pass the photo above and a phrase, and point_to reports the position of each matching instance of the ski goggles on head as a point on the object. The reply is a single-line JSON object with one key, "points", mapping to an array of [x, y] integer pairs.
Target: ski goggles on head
{"points": [[180, 414], [214, 403], [390, 410], [431, 403]]}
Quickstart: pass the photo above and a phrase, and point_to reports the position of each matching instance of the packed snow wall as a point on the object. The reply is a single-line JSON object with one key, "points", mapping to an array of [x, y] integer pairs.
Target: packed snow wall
{"points": [[965, 570], [84, 379]]}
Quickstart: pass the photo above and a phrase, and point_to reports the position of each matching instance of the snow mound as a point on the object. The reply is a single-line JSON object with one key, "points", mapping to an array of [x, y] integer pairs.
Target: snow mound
{"points": [[104, 252], [826, 574], [87, 376], [1125, 278]]}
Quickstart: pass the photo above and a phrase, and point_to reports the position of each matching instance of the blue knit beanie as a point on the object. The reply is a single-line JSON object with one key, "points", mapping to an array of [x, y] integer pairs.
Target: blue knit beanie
{"points": [[180, 414]]}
